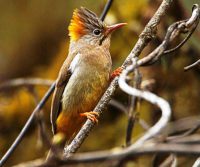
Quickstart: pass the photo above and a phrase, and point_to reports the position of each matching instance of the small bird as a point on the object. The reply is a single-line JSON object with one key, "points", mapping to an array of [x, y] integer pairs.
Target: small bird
{"points": [[84, 75]]}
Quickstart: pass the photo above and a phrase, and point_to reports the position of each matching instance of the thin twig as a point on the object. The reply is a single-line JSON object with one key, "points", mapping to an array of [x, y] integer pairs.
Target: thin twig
{"points": [[180, 127], [188, 132], [143, 124], [118, 105], [170, 161], [132, 115], [192, 139], [25, 82], [192, 65], [190, 22], [106, 9]]}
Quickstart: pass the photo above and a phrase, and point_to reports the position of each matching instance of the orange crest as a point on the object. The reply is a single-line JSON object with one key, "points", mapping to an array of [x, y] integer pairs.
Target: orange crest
{"points": [[76, 27]]}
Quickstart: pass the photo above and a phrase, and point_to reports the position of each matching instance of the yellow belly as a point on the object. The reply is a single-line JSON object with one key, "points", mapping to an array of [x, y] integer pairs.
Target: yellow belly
{"points": [[69, 124]]}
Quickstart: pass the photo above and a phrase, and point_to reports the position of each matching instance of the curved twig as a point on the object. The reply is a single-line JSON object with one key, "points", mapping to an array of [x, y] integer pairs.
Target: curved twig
{"points": [[192, 65], [173, 31], [193, 21], [152, 98]]}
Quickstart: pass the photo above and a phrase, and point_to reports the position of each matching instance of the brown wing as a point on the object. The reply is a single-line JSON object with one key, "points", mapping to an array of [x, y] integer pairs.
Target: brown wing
{"points": [[56, 102], [61, 82]]}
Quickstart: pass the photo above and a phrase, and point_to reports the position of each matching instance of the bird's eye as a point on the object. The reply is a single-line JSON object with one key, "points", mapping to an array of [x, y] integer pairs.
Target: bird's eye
{"points": [[97, 32]]}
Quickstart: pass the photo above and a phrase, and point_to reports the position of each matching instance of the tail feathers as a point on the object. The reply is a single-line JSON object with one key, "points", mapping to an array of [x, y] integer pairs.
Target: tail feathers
{"points": [[58, 144], [69, 124], [65, 131]]}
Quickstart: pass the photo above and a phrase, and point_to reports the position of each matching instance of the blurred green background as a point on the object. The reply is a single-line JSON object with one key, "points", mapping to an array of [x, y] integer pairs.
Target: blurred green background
{"points": [[34, 43]]}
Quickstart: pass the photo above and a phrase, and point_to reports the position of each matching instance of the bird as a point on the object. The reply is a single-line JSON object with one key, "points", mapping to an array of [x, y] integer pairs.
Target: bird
{"points": [[84, 75]]}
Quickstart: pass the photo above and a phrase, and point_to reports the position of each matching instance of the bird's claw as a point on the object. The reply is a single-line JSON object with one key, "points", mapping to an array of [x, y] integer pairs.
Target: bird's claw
{"points": [[116, 72], [93, 116]]}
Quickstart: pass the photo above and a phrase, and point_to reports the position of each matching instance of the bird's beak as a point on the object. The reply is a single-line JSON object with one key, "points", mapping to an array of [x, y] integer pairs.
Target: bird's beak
{"points": [[110, 29]]}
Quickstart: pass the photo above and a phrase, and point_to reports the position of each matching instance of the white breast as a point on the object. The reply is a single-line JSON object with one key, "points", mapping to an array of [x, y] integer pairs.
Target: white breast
{"points": [[74, 62]]}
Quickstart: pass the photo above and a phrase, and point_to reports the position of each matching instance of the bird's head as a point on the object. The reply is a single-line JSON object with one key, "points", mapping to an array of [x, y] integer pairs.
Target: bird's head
{"points": [[87, 26]]}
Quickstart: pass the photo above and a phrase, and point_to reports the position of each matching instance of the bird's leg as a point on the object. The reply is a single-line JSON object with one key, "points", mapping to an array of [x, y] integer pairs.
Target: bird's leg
{"points": [[116, 72], [91, 115]]}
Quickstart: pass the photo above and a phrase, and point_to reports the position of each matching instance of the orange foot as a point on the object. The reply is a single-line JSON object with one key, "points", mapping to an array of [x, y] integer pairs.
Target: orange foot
{"points": [[91, 115], [116, 72]]}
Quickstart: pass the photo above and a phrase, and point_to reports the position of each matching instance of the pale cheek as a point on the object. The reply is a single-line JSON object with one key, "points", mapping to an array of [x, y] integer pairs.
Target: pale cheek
{"points": [[91, 40]]}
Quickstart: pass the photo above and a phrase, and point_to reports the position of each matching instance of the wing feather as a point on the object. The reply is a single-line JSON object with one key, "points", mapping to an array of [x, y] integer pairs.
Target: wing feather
{"points": [[56, 106], [63, 78]]}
